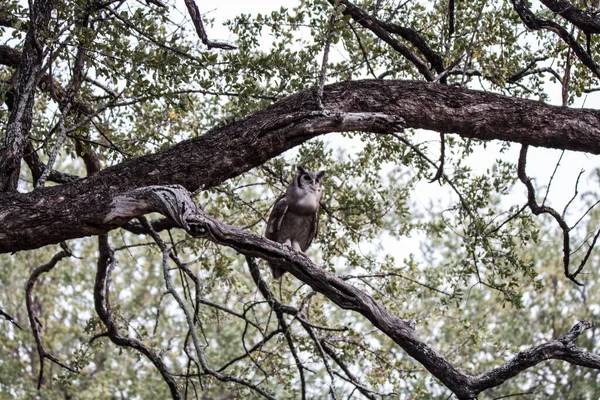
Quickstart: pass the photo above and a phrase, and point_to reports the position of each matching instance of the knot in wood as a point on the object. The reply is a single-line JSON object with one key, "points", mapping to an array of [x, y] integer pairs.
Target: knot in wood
{"points": [[198, 229]]}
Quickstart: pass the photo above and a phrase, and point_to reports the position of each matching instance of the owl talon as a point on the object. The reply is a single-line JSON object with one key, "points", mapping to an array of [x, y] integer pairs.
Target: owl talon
{"points": [[296, 247]]}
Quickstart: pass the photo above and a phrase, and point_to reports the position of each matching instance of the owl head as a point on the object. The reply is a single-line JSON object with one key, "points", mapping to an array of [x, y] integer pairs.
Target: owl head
{"points": [[306, 180]]}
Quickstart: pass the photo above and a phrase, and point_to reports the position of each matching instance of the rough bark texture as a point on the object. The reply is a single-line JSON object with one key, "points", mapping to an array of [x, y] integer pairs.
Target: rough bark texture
{"points": [[586, 21], [77, 209], [19, 121], [174, 202]]}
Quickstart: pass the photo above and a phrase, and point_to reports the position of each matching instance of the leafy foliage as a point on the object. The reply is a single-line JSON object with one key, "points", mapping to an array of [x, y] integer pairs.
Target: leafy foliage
{"points": [[462, 256]]}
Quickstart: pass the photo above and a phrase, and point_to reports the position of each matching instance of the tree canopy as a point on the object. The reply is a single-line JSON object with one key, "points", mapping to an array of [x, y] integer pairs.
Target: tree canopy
{"points": [[141, 154]]}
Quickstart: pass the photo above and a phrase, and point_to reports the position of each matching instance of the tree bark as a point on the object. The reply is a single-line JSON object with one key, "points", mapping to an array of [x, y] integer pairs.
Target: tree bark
{"points": [[19, 121], [77, 209], [175, 203]]}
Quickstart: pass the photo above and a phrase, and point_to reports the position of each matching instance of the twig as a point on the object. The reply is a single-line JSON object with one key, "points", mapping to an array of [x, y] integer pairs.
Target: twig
{"points": [[33, 318], [199, 25], [440, 169], [9, 318], [552, 178], [537, 210], [190, 318]]}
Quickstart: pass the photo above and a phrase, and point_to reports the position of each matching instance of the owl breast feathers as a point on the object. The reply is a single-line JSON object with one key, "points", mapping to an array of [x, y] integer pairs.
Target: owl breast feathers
{"points": [[294, 219]]}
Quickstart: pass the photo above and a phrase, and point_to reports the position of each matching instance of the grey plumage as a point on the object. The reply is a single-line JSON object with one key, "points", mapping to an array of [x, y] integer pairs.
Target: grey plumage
{"points": [[294, 219]]}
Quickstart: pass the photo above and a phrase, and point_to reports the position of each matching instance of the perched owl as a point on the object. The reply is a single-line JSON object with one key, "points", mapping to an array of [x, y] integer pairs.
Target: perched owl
{"points": [[294, 220]]}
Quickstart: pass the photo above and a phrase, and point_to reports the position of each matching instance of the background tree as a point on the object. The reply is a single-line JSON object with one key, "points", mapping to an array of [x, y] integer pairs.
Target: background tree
{"points": [[441, 268]]}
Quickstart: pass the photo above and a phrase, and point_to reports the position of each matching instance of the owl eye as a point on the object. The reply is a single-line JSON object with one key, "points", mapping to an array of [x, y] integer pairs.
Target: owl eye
{"points": [[306, 178]]}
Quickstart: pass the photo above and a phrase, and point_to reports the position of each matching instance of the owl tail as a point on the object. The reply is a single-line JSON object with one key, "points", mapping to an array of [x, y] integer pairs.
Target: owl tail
{"points": [[276, 271]]}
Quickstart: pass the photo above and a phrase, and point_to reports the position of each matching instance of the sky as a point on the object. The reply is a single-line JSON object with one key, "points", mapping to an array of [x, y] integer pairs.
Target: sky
{"points": [[541, 162]]}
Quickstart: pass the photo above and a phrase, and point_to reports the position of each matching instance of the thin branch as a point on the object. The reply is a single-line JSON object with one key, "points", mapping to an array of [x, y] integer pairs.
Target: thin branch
{"points": [[552, 178], [537, 210], [440, 169], [362, 50], [106, 263], [575, 193], [534, 23], [432, 163], [190, 319], [151, 39], [254, 348], [199, 25], [278, 308], [323, 73], [9, 318], [33, 317], [388, 274]]}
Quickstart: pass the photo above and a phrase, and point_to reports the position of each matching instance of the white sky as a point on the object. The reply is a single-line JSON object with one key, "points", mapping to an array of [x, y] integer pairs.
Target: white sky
{"points": [[541, 162]]}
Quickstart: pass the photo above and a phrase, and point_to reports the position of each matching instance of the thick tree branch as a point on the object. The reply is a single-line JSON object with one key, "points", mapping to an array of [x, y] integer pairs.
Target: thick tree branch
{"points": [[53, 214], [19, 121], [176, 203], [581, 19]]}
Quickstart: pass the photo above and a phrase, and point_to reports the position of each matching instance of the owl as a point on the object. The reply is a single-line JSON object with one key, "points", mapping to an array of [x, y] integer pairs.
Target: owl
{"points": [[294, 219]]}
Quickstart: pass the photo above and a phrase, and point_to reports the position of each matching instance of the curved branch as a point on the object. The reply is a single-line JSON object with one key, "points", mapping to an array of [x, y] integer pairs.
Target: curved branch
{"points": [[177, 204], [53, 214], [534, 23], [581, 19], [559, 349], [102, 305], [383, 30], [199, 25], [33, 318], [536, 209]]}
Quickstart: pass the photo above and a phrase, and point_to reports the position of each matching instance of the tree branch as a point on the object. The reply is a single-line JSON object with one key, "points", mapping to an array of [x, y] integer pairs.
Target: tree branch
{"points": [[33, 318], [53, 214], [102, 304], [581, 19], [534, 23], [199, 25], [536, 209], [176, 203], [382, 30]]}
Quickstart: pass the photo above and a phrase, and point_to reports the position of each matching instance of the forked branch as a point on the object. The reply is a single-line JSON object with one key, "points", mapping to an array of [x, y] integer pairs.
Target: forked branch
{"points": [[175, 202], [537, 209], [33, 317]]}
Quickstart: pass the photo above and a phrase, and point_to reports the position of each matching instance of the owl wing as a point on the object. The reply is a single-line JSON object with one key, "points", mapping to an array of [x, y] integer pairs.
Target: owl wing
{"points": [[277, 214], [312, 232], [274, 227]]}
